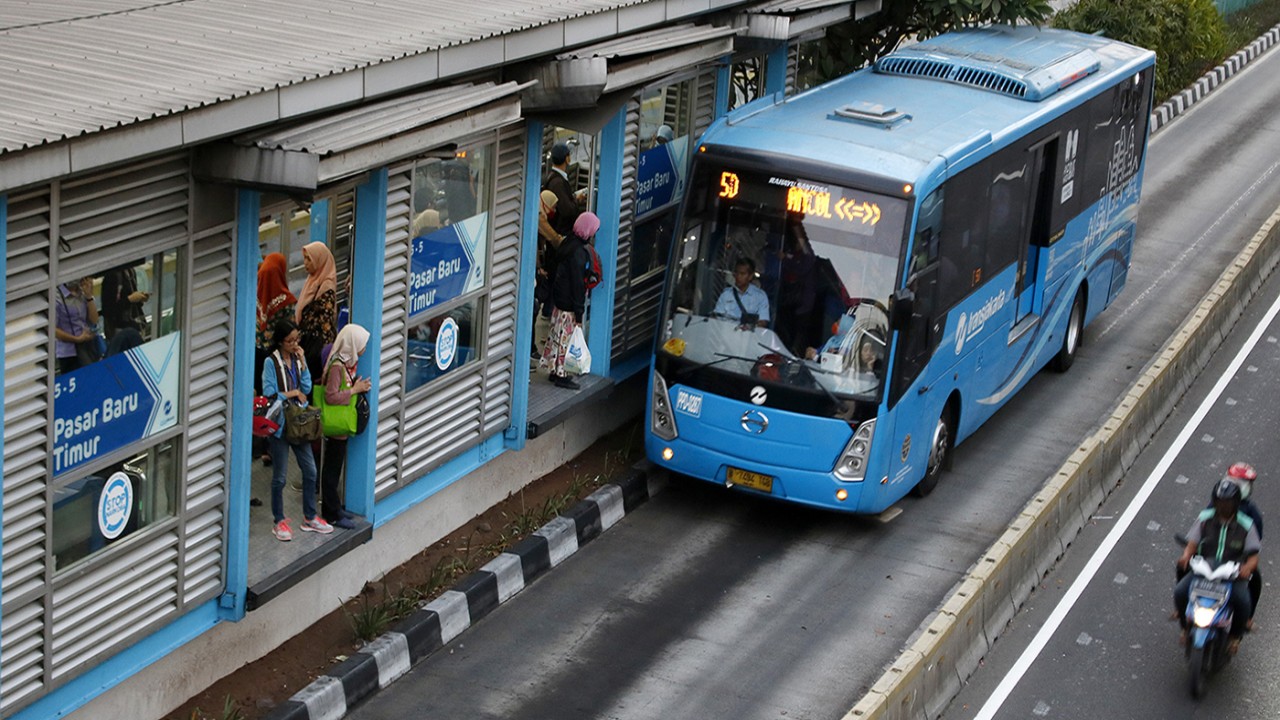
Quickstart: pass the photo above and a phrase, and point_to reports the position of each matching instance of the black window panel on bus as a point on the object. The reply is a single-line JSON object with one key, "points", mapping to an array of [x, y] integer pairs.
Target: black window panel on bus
{"points": [[1117, 125], [966, 261]]}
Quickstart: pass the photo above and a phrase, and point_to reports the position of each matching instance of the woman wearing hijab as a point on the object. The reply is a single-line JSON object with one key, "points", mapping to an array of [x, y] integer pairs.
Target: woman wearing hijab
{"points": [[275, 303], [569, 297], [340, 382], [317, 313]]}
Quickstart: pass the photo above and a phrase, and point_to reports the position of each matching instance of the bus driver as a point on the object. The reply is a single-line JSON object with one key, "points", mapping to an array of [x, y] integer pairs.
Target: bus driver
{"points": [[743, 300]]}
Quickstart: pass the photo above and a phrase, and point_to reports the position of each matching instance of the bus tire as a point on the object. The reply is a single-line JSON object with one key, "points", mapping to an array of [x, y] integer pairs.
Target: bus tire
{"points": [[1073, 337], [939, 454]]}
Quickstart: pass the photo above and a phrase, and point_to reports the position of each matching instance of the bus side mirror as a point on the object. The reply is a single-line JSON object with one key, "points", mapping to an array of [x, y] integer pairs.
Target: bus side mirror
{"points": [[901, 309]]}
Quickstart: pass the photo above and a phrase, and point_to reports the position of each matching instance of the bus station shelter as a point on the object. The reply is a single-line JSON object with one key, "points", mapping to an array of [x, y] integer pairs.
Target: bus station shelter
{"points": [[167, 148]]}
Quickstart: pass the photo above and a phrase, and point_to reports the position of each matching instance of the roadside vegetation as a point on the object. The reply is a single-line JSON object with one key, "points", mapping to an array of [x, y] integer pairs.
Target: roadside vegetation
{"points": [[1189, 36]]}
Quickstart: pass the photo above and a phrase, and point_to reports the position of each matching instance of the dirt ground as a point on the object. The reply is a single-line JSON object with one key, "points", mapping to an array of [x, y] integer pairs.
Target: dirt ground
{"points": [[256, 688]]}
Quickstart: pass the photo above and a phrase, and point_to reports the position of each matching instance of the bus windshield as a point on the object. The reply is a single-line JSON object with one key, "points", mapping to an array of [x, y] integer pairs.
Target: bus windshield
{"points": [[784, 280]]}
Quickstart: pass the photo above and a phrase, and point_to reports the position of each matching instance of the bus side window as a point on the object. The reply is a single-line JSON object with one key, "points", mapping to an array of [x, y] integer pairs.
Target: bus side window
{"points": [[917, 340]]}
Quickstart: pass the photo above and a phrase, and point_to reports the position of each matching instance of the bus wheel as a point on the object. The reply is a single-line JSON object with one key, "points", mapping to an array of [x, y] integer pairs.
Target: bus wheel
{"points": [[939, 446], [1073, 337]]}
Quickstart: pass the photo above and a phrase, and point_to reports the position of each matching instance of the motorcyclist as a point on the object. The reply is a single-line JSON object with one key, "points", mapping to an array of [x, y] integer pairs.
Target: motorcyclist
{"points": [[1222, 534], [1244, 475]]}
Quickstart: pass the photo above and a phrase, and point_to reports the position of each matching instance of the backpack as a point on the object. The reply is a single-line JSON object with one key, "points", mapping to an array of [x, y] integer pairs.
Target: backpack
{"points": [[591, 273]]}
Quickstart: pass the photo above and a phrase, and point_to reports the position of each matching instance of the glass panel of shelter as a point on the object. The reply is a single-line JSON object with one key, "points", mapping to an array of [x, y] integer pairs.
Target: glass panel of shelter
{"points": [[451, 230], [665, 139], [117, 394]]}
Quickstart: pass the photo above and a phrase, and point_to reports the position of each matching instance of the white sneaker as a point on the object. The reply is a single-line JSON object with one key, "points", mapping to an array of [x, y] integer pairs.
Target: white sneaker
{"points": [[317, 524]]}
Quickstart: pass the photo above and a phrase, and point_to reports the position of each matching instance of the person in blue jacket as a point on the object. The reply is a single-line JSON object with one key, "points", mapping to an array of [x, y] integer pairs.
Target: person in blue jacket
{"points": [[285, 373]]}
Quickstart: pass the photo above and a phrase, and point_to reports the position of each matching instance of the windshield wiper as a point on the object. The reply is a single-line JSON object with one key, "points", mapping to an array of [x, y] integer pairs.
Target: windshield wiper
{"points": [[808, 371], [721, 357]]}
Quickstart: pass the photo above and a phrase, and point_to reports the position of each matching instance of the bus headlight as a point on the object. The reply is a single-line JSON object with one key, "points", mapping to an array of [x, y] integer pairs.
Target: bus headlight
{"points": [[852, 465], [661, 421]]}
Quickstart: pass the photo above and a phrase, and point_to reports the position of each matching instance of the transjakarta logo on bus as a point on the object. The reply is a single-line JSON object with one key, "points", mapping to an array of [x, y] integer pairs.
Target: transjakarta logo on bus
{"points": [[969, 327]]}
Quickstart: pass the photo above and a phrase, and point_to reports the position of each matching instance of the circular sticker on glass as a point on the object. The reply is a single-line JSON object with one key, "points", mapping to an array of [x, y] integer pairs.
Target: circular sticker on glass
{"points": [[446, 343], [115, 504]]}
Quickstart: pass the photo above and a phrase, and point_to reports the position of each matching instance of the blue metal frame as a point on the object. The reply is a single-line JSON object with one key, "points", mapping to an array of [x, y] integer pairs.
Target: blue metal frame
{"points": [[248, 207], [366, 310], [320, 221], [517, 433], [724, 78], [775, 70], [609, 208]]}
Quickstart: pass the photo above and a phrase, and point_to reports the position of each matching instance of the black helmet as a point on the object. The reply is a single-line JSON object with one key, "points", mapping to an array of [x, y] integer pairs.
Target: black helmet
{"points": [[1227, 491]]}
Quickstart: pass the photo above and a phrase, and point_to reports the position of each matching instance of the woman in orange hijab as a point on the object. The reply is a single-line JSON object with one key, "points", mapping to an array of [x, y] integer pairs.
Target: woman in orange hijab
{"points": [[275, 302], [317, 313]]}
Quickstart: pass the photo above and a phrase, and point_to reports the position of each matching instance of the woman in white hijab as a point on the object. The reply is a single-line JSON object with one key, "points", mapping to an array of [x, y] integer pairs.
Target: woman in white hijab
{"points": [[340, 382]]}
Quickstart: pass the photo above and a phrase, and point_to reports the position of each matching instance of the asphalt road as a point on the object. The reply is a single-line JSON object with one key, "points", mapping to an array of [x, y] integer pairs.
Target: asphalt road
{"points": [[1107, 648], [711, 604]]}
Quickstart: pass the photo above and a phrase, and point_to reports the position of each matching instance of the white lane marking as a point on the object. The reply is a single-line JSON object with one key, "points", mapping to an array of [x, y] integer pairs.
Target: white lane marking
{"points": [[1002, 691]]}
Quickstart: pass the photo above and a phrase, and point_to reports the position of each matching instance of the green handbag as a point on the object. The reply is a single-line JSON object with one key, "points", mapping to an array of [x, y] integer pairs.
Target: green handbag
{"points": [[337, 420]]}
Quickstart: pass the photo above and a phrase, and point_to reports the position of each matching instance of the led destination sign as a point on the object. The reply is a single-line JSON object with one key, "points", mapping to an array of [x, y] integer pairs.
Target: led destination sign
{"points": [[815, 201]]}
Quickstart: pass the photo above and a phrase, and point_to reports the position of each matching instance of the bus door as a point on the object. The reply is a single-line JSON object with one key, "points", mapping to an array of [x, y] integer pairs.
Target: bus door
{"points": [[1043, 163]]}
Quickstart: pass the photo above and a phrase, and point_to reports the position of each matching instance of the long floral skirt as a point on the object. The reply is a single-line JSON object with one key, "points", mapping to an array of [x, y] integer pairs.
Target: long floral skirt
{"points": [[557, 347]]}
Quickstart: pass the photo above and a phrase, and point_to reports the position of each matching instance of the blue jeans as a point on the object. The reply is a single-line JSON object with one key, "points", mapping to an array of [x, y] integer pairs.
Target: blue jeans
{"points": [[279, 450]]}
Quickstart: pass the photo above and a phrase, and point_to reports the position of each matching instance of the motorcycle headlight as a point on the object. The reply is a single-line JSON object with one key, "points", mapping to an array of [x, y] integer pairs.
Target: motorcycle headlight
{"points": [[1203, 616]]}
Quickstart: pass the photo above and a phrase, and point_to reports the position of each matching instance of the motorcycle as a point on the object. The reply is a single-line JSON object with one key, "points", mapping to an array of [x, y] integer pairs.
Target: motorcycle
{"points": [[1208, 616]]}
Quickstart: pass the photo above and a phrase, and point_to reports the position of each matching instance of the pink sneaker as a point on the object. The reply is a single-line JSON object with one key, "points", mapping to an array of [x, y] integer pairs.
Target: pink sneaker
{"points": [[317, 525], [282, 531]]}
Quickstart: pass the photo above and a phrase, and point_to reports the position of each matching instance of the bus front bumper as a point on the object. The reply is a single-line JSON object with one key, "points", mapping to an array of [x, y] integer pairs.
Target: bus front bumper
{"points": [[815, 489]]}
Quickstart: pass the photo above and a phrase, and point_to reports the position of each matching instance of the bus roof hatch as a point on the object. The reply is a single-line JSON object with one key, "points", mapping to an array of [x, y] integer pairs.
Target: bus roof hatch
{"points": [[1029, 66], [885, 116]]}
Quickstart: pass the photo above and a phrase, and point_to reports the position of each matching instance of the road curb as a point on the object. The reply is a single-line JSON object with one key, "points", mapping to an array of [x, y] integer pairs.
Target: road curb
{"points": [[1180, 103], [948, 646], [435, 624]]}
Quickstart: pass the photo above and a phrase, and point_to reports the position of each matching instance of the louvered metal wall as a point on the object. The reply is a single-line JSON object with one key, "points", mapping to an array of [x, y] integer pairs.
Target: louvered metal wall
{"points": [[395, 296], [209, 377], [626, 218], [55, 628], [793, 68], [342, 210], [419, 434], [27, 416]]}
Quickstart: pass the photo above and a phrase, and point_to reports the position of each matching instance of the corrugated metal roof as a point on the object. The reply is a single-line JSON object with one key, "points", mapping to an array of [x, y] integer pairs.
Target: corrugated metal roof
{"points": [[81, 66], [652, 41], [790, 7], [377, 121]]}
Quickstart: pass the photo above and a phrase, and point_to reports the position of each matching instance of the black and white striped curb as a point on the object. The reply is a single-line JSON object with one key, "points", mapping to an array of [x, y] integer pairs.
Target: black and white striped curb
{"points": [[379, 663], [1180, 103]]}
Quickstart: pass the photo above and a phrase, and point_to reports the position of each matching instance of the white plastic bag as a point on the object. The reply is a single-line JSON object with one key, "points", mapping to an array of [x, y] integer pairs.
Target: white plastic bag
{"points": [[577, 360]]}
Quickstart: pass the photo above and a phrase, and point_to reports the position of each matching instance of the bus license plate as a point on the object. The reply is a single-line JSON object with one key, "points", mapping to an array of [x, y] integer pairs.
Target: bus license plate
{"points": [[755, 481]]}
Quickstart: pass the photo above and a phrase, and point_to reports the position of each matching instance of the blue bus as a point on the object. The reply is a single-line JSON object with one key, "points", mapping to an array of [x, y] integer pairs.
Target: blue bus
{"points": [[867, 271]]}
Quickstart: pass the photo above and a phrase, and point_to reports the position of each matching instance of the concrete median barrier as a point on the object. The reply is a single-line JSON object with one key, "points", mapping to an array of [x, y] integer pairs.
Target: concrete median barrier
{"points": [[946, 650]]}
